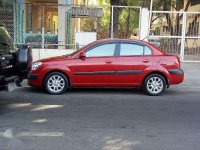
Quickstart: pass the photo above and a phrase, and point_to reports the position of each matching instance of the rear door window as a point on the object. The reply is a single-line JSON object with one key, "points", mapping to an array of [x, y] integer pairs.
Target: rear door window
{"points": [[131, 49]]}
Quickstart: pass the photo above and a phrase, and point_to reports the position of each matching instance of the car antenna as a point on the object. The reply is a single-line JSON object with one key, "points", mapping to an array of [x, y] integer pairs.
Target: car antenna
{"points": [[145, 38]]}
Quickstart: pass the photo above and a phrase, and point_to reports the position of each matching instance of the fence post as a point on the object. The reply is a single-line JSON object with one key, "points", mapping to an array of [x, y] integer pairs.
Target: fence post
{"points": [[15, 24], [144, 25], [61, 23], [43, 38], [43, 32], [111, 32], [183, 37], [138, 32]]}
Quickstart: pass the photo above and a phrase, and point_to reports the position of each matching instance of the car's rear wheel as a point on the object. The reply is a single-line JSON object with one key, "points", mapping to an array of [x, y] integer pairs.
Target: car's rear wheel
{"points": [[154, 84], [56, 83]]}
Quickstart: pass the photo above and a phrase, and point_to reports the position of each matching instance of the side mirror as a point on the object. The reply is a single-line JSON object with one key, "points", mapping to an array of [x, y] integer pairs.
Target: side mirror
{"points": [[82, 55]]}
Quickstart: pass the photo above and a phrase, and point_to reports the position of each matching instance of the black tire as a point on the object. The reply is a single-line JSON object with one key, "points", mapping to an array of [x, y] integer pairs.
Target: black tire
{"points": [[24, 60], [47, 83], [148, 88]]}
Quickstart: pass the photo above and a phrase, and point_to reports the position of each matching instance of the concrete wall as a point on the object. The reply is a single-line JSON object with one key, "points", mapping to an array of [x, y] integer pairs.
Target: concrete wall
{"points": [[46, 53]]}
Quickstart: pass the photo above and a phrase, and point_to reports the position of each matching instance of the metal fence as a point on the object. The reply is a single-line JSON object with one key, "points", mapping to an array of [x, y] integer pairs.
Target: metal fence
{"points": [[177, 33], [50, 26], [38, 24], [6, 17]]}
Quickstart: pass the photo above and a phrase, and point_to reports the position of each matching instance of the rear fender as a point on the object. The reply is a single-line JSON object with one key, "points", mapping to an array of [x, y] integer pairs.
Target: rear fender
{"points": [[156, 69]]}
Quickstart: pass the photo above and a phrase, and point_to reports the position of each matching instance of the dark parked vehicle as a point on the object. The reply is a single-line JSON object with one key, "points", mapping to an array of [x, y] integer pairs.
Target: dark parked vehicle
{"points": [[14, 64]]}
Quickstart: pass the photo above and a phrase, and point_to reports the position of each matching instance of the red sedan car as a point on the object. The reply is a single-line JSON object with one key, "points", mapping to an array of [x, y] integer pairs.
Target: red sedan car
{"points": [[109, 63]]}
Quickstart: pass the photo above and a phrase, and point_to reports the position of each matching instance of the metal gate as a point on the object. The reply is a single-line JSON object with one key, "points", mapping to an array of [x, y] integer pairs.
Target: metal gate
{"points": [[177, 33], [107, 21]]}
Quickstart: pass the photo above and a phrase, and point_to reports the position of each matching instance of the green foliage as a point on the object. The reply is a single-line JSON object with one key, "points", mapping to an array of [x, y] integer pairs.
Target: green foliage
{"points": [[166, 4], [103, 23], [101, 2], [5, 40], [134, 3], [88, 24], [128, 20]]}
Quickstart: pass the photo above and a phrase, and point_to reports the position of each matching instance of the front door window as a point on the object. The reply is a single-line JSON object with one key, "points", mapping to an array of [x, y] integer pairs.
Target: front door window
{"points": [[105, 50]]}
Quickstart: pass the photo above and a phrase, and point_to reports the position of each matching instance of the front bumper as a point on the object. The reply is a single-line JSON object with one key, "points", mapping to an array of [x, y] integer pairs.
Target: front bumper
{"points": [[34, 80], [33, 77]]}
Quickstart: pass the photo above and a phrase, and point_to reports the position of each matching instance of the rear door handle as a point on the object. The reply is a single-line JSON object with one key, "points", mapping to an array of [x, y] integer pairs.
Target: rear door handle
{"points": [[108, 61], [145, 61]]}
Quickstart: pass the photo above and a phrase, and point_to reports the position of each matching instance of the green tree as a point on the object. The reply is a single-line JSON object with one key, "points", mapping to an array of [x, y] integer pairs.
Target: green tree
{"points": [[125, 20], [168, 5], [173, 20]]}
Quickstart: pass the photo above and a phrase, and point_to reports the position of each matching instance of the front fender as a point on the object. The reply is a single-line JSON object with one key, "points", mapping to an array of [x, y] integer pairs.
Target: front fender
{"points": [[44, 70], [51, 68]]}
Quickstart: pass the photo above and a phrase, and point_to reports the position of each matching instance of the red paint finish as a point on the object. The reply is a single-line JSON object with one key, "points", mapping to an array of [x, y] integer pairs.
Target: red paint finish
{"points": [[111, 71], [90, 65], [138, 63]]}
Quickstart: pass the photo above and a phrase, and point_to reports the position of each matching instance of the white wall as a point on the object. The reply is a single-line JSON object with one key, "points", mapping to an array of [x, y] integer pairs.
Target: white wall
{"points": [[46, 53], [84, 38]]}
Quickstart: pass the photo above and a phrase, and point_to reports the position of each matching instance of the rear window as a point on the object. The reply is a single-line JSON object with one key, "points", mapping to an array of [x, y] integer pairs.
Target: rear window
{"points": [[131, 49], [147, 51]]}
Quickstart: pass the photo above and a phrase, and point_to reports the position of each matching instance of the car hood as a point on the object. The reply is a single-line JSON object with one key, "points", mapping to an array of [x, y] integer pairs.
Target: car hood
{"points": [[52, 59]]}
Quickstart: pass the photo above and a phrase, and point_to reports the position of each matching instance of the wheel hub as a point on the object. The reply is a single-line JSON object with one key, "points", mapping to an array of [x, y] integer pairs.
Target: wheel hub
{"points": [[155, 85], [56, 83]]}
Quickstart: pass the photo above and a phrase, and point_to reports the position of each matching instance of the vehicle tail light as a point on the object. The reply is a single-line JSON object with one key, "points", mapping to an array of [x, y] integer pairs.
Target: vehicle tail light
{"points": [[179, 61]]}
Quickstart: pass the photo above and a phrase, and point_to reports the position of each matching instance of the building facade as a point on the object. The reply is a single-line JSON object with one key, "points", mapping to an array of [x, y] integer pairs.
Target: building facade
{"points": [[51, 21]]}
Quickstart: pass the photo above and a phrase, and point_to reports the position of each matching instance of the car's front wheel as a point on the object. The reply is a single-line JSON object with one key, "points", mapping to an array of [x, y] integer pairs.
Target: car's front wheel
{"points": [[56, 83], [154, 84]]}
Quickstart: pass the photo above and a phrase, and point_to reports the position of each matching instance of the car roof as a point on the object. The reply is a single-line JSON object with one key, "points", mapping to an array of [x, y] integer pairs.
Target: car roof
{"points": [[158, 51], [121, 39]]}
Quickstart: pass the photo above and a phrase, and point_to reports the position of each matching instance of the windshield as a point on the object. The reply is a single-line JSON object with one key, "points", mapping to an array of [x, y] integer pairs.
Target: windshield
{"points": [[77, 51]]}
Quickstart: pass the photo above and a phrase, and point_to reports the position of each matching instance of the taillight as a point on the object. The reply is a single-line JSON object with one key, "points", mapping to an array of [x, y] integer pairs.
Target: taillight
{"points": [[179, 61]]}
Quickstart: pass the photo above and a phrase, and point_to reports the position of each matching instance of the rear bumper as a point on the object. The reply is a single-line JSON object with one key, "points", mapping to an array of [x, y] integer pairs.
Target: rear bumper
{"points": [[176, 76], [176, 72]]}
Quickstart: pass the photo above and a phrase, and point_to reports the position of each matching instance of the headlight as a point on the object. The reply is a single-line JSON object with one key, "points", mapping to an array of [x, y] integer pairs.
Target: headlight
{"points": [[36, 65]]}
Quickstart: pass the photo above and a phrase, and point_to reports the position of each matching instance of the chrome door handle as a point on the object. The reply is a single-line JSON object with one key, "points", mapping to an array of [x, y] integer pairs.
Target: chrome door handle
{"points": [[145, 61], [108, 61]]}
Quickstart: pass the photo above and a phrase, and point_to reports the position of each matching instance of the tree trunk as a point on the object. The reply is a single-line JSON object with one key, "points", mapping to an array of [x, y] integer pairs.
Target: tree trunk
{"points": [[128, 23], [169, 22]]}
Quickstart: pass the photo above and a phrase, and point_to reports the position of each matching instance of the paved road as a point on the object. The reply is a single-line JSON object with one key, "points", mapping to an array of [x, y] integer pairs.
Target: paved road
{"points": [[103, 119]]}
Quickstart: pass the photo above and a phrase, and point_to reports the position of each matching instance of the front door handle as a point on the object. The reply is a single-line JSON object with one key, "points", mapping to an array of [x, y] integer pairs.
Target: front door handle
{"points": [[108, 61]]}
